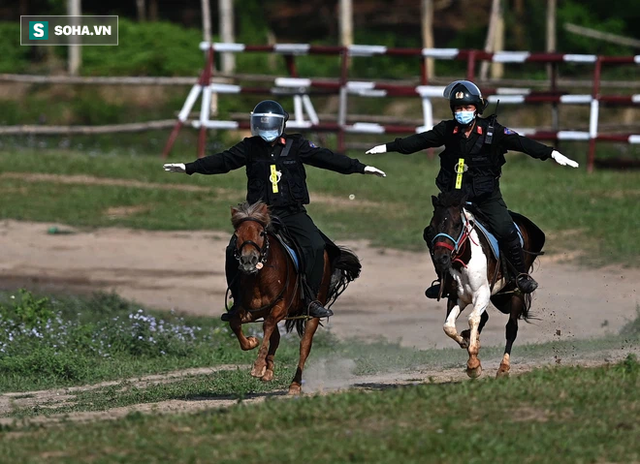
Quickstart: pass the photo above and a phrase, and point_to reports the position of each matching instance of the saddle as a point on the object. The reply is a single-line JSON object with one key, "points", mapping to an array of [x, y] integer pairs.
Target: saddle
{"points": [[536, 239], [279, 230]]}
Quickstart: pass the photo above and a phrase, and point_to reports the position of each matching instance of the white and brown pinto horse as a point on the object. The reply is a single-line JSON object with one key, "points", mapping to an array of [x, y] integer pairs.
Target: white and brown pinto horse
{"points": [[471, 275]]}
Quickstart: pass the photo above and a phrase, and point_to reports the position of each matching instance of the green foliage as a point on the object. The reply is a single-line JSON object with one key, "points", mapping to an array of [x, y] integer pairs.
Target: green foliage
{"points": [[149, 49], [51, 341], [28, 310], [13, 57]]}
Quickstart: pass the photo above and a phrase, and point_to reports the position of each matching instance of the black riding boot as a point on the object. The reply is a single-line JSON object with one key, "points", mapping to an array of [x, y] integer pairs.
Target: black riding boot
{"points": [[233, 279], [434, 291], [515, 254], [313, 279], [317, 310]]}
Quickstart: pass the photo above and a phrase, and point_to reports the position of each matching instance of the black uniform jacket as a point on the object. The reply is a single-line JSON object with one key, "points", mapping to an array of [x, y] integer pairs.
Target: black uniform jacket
{"points": [[276, 175], [482, 161]]}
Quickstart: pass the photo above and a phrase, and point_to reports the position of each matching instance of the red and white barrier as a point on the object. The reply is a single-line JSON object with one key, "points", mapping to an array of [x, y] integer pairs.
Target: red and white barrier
{"points": [[305, 117]]}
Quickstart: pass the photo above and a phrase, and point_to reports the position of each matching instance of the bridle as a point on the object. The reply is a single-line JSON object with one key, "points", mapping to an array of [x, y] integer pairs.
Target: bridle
{"points": [[262, 250], [458, 245]]}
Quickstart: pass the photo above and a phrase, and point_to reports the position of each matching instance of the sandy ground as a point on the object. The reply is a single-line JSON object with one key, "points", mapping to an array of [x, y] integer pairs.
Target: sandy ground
{"points": [[184, 271]]}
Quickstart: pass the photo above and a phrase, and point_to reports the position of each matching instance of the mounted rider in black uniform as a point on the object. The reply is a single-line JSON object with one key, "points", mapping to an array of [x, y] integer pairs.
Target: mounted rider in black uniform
{"points": [[472, 162], [274, 163]]}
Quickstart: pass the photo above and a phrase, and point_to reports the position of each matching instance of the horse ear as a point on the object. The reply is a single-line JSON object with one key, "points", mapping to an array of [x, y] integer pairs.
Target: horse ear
{"points": [[264, 209], [234, 211], [434, 200]]}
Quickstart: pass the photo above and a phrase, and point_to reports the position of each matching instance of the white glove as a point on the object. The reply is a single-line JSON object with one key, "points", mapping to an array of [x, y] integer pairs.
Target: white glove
{"points": [[175, 167], [563, 160], [376, 171], [377, 149]]}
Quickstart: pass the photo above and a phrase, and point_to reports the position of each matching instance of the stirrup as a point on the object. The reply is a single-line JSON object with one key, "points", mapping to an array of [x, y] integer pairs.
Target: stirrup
{"points": [[315, 309], [434, 290], [526, 283]]}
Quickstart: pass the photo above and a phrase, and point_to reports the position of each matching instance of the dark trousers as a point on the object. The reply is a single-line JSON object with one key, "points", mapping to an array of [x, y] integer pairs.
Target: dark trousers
{"points": [[312, 245], [308, 238], [497, 217]]}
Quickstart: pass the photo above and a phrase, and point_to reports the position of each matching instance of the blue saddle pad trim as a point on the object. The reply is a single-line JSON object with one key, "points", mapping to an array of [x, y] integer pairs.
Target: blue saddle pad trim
{"points": [[292, 254], [493, 241]]}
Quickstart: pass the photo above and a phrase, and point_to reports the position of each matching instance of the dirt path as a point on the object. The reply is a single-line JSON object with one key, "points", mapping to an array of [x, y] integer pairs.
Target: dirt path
{"points": [[323, 377], [184, 271]]}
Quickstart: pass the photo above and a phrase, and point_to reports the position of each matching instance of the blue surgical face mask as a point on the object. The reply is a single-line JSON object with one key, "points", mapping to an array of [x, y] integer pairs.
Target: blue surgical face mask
{"points": [[464, 117], [270, 136]]}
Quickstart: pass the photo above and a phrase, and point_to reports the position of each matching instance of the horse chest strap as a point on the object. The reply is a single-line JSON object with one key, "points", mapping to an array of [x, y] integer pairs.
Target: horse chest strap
{"points": [[460, 169]]}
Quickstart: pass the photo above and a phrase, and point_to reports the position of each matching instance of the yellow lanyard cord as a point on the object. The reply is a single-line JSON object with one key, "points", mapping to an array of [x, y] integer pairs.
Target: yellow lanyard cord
{"points": [[274, 179], [459, 171]]}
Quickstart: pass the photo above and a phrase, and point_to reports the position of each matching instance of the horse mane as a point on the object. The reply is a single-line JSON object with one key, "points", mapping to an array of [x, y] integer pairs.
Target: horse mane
{"points": [[454, 198], [258, 211]]}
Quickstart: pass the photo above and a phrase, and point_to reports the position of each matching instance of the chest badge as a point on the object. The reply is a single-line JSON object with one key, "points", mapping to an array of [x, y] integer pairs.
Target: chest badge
{"points": [[275, 178]]}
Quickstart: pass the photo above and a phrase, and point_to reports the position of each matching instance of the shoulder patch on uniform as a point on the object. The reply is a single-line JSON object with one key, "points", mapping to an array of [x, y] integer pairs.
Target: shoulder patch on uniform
{"points": [[312, 145], [508, 131]]}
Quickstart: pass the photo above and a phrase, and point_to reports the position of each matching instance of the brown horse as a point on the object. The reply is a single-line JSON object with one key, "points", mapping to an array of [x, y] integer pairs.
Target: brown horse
{"points": [[471, 274], [270, 288]]}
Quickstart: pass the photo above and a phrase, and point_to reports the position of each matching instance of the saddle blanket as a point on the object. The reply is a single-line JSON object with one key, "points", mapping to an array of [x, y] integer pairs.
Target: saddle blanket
{"points": [[493, 241]]}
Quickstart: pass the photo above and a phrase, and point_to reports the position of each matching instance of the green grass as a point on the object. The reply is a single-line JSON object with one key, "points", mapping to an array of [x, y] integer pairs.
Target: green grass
{"points": [[58, 342], [598, 214], [549, 415]]}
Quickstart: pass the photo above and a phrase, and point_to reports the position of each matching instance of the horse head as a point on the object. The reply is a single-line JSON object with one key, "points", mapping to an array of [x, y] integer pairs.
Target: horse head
{"points": [[252, 246], [448, 225]]}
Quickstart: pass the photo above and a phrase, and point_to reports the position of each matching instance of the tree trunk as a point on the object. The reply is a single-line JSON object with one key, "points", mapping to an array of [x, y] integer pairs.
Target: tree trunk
{"points": [[427, 35], [74, 8], [227, 33], [153, 10], [141, 9], [496, 13]]}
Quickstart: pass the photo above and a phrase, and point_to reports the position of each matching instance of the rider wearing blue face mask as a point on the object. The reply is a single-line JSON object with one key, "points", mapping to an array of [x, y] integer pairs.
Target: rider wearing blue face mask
{"points": [[274, 161], [472, 162]]}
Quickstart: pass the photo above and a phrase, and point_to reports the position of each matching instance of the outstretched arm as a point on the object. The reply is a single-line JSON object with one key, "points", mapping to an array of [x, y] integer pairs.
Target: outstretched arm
{"points": [[413, 143], [219, 163], [511, 140], [326, 159]]}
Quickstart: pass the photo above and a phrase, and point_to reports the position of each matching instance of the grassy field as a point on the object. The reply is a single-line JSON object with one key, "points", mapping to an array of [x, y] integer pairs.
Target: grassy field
{"points": [[53, 342], [549, 415], [598, 213]]}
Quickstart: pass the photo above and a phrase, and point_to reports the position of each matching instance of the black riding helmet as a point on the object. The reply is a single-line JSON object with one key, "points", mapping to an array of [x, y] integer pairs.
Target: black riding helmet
{"points": [[268, 119], [460, 93]]}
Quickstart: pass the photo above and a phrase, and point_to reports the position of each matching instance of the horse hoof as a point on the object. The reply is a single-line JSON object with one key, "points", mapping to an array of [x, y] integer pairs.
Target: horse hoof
{"points": [[295, 389], [475, 372], [258, 372], [503, 371], [268, 376], [252, 342]]}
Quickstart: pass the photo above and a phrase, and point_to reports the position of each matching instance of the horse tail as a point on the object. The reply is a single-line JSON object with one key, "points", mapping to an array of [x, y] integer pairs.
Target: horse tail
{"points": [[299, 324], [346, 269], [348, 263]]}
